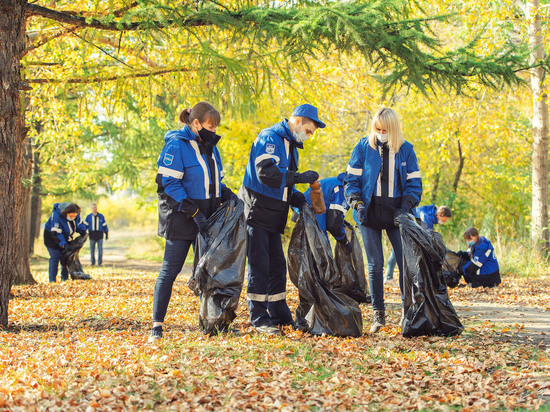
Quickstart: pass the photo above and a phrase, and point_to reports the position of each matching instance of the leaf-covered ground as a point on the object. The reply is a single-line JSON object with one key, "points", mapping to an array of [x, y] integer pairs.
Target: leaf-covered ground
{"points": [[83, 346]]}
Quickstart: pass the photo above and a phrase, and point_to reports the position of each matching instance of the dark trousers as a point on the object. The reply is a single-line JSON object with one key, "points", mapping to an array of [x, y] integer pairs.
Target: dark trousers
{"points": [[55, 257], [99, 244], [175, 253], [372, 239], [266, 293], [489, 281]]}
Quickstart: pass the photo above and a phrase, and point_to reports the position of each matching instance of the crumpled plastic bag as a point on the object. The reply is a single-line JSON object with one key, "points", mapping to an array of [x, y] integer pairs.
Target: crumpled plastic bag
{"points": [[428, 309], [69, 258], [323, 308], [451, 268], [352, 280], [218, 273]]}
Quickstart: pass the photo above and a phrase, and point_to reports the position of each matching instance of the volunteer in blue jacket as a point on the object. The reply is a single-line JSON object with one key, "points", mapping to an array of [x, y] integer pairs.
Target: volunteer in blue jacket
{"points": [[383, 181], [335, 202], [431, 215], [97, 227], [267, 191], [60, 229], [190, 189], [482, 268]]}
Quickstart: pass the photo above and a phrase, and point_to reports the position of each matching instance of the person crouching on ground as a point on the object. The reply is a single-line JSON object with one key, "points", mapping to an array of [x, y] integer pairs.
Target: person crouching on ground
{"points": [[482, 268], [383, 181], [60, 228]]}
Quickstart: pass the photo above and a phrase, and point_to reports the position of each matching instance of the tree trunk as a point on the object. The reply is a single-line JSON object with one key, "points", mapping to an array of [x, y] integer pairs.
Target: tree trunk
{"points": [[539, 225], [22, 268], [12, 135], [36, 201], [458, 173], [436, 186]]}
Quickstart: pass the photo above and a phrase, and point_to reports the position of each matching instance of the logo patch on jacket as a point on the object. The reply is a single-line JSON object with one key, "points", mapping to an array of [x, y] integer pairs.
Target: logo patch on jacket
{"points": [[168, 159], [403, 163], [270, 148]]}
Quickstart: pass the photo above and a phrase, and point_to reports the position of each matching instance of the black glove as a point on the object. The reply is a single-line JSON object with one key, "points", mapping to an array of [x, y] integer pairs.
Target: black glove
{"points": [[348, 247], [361, 213], [407, 204], [297, 200], [307, 177], [399, 215], [227, 194], [201, 222], [463, 255], [106, 236]]}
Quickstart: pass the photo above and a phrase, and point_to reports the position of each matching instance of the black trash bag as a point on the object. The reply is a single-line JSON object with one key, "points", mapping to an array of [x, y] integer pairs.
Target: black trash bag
{"points": [[451, 268], [69, 258], [428, 310], [322, 309], [351, 268], [218, 273]]}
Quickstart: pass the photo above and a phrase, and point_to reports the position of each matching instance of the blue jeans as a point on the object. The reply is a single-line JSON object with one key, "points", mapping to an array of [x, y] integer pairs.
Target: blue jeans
{"points": [[266, 293], [99, 244], [392, 261], [55, 257], [175, 253], [372, 239]]}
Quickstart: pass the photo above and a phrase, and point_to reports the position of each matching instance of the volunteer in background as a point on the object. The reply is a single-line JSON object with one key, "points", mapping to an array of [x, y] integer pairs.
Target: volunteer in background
{"points": [[60, 229], [482, 267], [97, 227]]}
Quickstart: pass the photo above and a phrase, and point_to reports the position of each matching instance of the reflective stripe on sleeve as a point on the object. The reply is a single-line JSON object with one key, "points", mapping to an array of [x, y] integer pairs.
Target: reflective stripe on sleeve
{"points": [[478, 264], [413, 175], [488, 252], [354, 171], [267, 156], [336, 206], [170, 172]]}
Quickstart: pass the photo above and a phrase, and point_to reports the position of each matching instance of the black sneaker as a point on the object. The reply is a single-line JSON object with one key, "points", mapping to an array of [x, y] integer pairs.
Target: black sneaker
{"points": [[156, 334]]}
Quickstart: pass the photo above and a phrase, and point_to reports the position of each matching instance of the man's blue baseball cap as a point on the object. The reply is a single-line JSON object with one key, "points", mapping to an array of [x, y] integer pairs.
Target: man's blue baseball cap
{"points": [[309, 111]]}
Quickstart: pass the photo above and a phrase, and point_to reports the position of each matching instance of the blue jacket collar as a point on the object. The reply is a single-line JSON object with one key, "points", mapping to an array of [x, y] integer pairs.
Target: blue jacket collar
{"points": [[184, 133]]}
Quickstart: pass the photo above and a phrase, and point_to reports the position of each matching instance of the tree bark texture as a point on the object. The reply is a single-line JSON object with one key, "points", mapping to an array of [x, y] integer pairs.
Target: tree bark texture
{"points": [[36, 201], [539, 211], [12, 135], [23, 274], [458, 173]]}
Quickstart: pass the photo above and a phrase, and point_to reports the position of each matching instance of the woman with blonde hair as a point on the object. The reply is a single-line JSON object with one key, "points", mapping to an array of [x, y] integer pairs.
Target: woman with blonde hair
{"points": [[383, 181]]}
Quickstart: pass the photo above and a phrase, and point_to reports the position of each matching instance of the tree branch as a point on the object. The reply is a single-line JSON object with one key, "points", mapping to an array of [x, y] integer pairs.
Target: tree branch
{"points": [[79, 21], [86, 80]]}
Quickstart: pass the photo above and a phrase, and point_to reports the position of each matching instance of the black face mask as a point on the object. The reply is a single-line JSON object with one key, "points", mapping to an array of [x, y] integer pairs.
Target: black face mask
{"points": [[208, 137]]}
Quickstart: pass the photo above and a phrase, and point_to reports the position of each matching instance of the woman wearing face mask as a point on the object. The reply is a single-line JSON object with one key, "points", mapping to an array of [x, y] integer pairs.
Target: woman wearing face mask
{"points": [[190, 189], [383, 181], [60, 228]]}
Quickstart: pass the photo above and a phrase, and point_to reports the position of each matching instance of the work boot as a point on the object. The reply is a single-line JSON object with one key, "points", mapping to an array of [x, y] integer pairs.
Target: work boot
{"points": [[379, 321], [156, 334]]}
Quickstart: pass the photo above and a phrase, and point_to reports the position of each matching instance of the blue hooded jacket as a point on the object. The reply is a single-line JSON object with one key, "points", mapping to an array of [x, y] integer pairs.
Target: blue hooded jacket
{"points": [[267, 188], [189, 179], [59, 230], [364, 168], [483, 258], [427, 214]]}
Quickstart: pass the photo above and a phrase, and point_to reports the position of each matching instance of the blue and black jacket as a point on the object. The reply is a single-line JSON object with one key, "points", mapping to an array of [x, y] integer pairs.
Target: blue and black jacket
{"points": [[336, 205], [428, 214], [189, 179], [383, 187], [268, 182], [59, 230], [97, 226], [483, 260]]}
